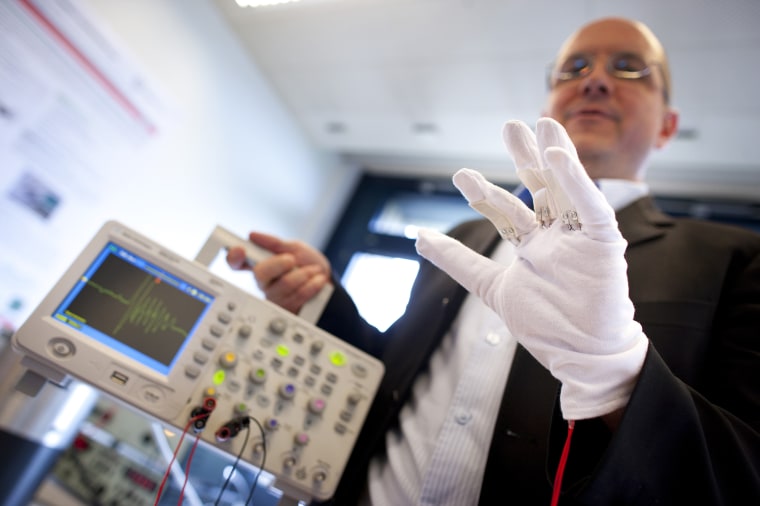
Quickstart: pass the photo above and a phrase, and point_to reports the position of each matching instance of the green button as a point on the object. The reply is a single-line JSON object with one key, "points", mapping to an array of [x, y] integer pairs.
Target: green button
{"points": [[283, 350], [219, 377], [338, 359]]}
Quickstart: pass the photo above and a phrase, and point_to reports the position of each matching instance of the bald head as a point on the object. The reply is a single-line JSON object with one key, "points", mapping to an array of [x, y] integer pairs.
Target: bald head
{"points": [[633, 30]]}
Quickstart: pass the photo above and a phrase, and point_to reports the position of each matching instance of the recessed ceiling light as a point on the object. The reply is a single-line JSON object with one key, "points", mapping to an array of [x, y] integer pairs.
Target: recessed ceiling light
{"points": [[424, 128], [262, 3], [687, 134], [335, 127]]}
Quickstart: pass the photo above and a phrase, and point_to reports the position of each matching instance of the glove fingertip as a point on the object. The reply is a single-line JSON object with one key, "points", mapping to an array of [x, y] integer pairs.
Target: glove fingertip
{"points": [[470, 184], [516, 131], [425, 239], [551, 133]]}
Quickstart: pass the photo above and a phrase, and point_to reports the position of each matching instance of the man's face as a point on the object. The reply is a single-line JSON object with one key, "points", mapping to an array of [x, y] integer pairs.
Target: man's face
{"points": [[613, 122]]}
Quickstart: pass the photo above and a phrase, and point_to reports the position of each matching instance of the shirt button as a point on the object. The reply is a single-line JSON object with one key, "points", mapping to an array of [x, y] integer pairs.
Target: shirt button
{"points": [[493, 338], [462, 418]]}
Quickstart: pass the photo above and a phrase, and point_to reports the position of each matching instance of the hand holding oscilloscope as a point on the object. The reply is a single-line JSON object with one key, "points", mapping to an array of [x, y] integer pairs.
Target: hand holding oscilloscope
{"points": [[565, 298], [292, 276]]}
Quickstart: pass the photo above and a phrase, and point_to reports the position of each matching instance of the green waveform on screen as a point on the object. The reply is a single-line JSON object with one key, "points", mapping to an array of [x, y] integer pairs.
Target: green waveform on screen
{"points": [[143, 310]]}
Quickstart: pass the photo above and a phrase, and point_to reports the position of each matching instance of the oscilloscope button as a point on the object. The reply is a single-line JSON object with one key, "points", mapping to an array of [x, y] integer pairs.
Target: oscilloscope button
{"points": [[217, 331], [152, 394], [61, 347], [224, 318], [245, 331], [359, 370]]}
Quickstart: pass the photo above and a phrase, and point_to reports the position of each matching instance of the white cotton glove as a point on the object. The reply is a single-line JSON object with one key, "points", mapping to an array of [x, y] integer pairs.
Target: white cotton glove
{"points": [[565, 297]]}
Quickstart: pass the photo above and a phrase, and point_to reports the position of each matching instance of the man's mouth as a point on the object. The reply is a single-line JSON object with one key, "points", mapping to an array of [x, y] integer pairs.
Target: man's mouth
{"points": [[591, 113]]}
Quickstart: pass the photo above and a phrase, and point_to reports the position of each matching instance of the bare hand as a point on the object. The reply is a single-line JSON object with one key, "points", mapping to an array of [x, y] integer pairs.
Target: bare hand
{"points": [[294, 273]]}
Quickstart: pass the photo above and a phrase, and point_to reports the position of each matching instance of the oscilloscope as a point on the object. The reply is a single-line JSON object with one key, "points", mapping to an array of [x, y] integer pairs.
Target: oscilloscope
{"points": [[167, 336]]}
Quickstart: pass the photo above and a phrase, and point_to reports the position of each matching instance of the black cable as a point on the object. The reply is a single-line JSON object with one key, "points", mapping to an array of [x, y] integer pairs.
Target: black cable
{"points": [[234, 465], [263, 460]]}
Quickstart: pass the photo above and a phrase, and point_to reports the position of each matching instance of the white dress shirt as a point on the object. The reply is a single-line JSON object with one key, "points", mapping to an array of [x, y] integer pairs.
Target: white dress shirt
{"points": [[438, 454]]}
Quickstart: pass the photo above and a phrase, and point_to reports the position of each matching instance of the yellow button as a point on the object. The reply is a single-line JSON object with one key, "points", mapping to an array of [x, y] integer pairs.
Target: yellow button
{"points": [[338, 359]]}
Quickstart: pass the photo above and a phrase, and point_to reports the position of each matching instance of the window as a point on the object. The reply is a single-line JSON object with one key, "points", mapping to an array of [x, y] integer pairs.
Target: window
{"points": [[372, 248]]}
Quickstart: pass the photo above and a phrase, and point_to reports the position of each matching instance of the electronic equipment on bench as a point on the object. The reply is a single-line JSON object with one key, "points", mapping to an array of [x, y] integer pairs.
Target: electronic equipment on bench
{"points": [[170, 338]]}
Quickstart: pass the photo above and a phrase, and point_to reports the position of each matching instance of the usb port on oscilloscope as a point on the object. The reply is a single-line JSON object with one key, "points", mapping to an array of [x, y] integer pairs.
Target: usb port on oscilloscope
{"points": [[119, 378]]}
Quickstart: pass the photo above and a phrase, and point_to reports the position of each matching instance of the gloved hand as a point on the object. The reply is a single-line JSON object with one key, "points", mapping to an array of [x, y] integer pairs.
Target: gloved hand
{"points": [[565, 297]]}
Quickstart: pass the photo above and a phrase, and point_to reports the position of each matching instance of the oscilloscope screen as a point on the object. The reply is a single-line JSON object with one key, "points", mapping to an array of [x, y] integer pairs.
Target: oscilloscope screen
{"points": [[134, 307]]}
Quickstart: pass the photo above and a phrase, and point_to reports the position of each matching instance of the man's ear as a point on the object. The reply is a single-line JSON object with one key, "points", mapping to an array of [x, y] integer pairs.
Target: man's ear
{"points": [[669, 127]]}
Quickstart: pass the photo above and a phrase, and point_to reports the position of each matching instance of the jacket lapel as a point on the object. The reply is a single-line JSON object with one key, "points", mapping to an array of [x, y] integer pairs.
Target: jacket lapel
{"points": [[642, 221]]}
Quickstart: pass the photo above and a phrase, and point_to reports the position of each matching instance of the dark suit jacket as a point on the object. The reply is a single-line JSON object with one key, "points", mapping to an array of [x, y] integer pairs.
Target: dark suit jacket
{"points": [[691, 431]]}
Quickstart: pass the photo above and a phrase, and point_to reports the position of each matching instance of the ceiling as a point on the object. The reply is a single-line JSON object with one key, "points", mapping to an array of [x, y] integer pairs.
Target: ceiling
{"points": [[424, 86]]}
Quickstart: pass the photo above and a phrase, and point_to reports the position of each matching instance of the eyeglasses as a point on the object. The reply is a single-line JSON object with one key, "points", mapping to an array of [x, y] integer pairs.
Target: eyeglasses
{"points": [[619, 65]]}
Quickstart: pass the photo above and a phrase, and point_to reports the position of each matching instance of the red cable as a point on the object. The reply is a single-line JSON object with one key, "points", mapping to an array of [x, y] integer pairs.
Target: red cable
{"points": [[174, 455], [562, 463], [187, 469]]}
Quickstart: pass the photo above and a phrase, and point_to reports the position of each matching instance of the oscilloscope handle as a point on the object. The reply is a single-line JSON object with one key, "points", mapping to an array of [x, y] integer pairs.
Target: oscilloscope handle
{"points": [[221, 238], [36, 374]]}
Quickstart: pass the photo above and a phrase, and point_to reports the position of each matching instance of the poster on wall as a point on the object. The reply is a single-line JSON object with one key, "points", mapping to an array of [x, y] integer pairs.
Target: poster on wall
{"points": [[75, 109]]}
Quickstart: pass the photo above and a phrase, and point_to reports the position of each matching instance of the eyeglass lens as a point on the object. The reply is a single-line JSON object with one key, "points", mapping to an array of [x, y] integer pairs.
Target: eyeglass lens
{"points": [[623, 65]]}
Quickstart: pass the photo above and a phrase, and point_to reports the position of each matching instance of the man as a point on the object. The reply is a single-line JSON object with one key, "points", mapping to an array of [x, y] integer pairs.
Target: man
{"points": [[657, 371]]}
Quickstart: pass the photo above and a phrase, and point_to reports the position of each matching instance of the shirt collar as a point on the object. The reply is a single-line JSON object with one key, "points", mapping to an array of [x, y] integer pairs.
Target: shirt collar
{"points": [[621, 192], [618, 192]]}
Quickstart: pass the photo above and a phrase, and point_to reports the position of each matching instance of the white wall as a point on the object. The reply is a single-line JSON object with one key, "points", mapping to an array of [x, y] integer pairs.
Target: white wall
{"points": [[234, 156], [230, 154]]}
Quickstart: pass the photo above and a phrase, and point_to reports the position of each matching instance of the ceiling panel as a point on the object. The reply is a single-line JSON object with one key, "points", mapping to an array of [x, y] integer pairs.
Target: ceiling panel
{"points": [[425, 85]]}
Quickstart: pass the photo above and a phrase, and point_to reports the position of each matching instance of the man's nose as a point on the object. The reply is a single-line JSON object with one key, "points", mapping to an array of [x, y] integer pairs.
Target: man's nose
{"points": [[597, 82]]}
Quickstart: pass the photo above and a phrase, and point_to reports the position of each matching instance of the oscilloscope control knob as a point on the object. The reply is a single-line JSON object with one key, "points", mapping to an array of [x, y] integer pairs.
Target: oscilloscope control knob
{"points": [[287, 391], [319, 476], [271, 424], [316, 347], [228, 360], [289, 462], [317, 405], [278, 325], [258, 376]]}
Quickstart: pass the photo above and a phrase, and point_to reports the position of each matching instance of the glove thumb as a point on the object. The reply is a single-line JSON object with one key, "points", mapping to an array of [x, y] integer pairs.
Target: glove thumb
{"points": [[476, 273]]}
